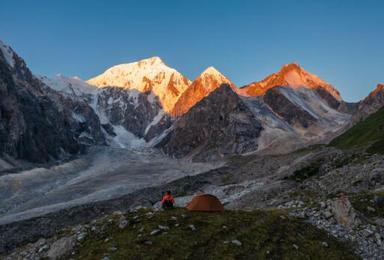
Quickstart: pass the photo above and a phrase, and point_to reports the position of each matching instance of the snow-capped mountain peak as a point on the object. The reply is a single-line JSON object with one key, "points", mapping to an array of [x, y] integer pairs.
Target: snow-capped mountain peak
{"points": [[211, 71], [147, 75], [209, 80], [290, 75]]}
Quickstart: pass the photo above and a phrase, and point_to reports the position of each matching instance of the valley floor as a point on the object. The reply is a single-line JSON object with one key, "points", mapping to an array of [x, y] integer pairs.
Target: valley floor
{"points": [[308, 184], [103, 173]]}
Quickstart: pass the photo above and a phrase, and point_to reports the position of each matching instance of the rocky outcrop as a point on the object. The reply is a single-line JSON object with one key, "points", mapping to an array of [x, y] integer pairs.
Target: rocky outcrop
{"points": [[37, 124], [372, 103], [219, 125]]}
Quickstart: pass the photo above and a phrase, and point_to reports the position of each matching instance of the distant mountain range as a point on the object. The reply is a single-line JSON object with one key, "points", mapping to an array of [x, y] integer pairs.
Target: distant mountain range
{"points": [[147, 103]]}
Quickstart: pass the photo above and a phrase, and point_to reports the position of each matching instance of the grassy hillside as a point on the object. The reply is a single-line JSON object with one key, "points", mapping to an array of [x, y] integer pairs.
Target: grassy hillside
{"points": [[368, 133], [229, 235]]}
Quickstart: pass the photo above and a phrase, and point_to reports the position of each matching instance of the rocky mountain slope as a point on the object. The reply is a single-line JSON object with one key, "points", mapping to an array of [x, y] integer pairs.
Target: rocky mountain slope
{"points": [[36, 123], [296, 108], [123, 113], [217, 126], [372, 103]]}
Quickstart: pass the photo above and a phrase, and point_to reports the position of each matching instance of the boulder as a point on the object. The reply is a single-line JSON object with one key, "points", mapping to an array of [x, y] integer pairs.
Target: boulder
{"points": [[343, 212], [61, 247]]}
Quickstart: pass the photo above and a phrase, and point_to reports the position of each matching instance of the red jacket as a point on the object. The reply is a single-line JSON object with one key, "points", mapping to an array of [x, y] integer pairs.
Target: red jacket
{"points": [[167, 197]]}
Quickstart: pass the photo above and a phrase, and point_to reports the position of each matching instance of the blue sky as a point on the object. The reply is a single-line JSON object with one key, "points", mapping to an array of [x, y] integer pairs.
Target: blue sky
{"points": [[340, 41]]}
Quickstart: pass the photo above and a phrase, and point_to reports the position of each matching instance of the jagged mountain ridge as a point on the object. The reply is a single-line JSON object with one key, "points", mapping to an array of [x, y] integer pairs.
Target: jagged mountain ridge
{"points": [[126, 101], [312, 113]]}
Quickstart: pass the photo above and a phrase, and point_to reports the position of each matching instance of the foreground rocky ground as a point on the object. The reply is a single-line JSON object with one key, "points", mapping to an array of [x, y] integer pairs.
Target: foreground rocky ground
{"points": [[178, 234], [339, 192]]}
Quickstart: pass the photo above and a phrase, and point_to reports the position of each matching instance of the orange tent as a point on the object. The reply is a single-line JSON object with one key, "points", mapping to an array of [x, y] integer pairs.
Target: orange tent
{"points": [[205, 202]]}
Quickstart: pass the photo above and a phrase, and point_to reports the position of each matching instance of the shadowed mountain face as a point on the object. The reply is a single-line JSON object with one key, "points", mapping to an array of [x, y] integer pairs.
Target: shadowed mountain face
{"points": [[219, 125], [37, 124], [287, 110]]}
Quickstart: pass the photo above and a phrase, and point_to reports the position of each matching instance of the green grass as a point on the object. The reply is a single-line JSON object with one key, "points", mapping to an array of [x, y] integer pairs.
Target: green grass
{"points": [[368, 133], [364, 203], [263, 234]]}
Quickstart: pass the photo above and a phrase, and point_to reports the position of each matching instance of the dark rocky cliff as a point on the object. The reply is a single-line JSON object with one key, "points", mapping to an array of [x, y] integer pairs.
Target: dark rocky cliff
{"points": [[219, 125]]}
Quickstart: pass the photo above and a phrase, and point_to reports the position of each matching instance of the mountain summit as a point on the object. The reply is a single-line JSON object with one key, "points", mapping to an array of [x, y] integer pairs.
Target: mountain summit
{"points": [[147, 75], [208, 81], [290, 75]]}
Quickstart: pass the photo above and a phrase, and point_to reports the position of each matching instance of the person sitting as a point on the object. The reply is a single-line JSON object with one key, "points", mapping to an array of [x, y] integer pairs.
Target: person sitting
{"points": [[167, 201]]}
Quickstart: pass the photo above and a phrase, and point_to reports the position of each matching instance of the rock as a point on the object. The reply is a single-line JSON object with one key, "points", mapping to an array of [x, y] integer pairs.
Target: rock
{"points": [[41, 242], [81, 236], [236, 242], [61, 247], [344, 213], [173, 218], [367, 232], [105, 258], [43, 248], [192, 227], [327, 214], [155, 232], [123, 223], [378, 238], [113, 248], [163, 227], [117, 213], [148, 242], [324, 244], [370, 209]]}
